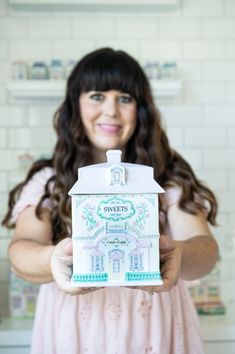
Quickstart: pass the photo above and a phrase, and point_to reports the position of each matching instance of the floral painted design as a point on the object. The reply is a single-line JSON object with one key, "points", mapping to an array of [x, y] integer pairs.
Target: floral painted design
{"points": [[143, 215], [88, 216]]}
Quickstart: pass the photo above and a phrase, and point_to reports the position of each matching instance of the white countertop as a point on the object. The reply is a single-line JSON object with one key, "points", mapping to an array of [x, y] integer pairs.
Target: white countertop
{"points": [[219, 327], [15, 332]]}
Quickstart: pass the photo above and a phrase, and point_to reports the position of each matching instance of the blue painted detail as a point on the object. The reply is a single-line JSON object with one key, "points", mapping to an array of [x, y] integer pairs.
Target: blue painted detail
{"points": [[97, 263], [136, 262], [143, 276], [90, 277]]}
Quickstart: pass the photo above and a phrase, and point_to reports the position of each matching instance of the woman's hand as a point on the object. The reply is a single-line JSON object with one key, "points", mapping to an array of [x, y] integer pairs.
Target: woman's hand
{"points": [[170, 260], [61, 267]]}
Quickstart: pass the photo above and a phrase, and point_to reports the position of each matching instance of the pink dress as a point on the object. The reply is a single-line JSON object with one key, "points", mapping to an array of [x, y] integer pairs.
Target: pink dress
{"points": [[111, 320]]}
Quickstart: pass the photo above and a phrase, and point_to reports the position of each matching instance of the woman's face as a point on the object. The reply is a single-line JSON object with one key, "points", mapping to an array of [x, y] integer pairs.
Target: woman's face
{"points": [[109, 118]]}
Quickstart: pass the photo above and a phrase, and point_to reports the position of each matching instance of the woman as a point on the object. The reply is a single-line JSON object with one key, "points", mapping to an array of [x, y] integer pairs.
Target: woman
{"points": [[109, 105]]}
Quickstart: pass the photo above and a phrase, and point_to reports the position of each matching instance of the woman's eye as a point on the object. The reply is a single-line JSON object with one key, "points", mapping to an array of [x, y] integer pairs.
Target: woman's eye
{"points": [[125, 99], [96, 97]]}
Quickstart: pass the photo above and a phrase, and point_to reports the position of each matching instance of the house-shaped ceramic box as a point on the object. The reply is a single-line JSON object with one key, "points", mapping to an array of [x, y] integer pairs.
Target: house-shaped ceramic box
{"points": [[115, 225]]}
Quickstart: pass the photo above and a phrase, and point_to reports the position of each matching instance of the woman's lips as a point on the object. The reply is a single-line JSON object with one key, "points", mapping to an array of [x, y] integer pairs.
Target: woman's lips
{"points": [[109, 128]]}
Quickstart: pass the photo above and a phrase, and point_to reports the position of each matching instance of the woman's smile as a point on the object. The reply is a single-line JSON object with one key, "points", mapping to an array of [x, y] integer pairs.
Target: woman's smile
{"points": [[109, 128]]}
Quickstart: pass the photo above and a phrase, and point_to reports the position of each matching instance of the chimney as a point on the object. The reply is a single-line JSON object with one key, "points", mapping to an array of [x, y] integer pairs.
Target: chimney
{"points": [[113, 156]]}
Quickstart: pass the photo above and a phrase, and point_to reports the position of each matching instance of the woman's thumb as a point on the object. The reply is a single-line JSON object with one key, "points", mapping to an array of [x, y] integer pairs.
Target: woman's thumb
{"points": [[165, 243], [67, 246]]}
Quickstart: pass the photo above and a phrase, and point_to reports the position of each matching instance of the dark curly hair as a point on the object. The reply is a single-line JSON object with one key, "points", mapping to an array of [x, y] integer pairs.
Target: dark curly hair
{"points": [[103, 70]]}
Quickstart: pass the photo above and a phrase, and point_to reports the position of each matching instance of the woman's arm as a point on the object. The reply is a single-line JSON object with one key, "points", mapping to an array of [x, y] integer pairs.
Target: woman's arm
{"points": [[34, 259], [191, 254], [30, 249], [199, 250]]}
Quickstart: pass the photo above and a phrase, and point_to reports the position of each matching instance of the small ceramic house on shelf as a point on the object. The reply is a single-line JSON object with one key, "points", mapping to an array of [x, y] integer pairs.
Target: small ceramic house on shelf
{"points": [[115, 225]]}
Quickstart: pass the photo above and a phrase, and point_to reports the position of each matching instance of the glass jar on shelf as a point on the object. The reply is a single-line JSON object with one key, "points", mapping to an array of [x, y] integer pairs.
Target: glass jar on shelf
{"points": [[39, 71], [56, 70]]}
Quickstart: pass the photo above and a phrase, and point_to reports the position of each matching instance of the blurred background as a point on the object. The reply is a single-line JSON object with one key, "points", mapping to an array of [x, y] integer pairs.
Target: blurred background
{"points": [[187, 49]]}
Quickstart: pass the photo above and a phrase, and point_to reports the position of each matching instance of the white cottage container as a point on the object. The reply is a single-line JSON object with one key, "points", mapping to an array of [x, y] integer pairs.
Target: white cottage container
{"points": [[115, 225]]}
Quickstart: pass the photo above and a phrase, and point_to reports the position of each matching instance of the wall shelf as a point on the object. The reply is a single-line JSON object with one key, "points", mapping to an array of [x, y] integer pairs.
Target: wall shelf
{"points": [[44, 89], [36, 88], [166, 88], [80, 5]]}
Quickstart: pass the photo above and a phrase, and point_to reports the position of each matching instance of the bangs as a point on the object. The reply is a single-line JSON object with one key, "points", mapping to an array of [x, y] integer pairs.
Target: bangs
{"points": [[111, 71]]}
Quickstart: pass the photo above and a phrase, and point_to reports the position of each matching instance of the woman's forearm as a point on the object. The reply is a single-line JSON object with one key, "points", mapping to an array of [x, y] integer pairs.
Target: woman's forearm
{"points": [[30, 260], [199, 256]]}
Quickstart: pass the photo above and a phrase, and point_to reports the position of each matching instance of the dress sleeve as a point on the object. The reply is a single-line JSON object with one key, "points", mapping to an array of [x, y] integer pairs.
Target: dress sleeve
{"points": [[32, 193], [170, 197]]}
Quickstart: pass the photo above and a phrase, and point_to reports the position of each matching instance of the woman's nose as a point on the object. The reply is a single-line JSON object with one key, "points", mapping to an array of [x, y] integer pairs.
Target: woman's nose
{"points": [[110, 108]]}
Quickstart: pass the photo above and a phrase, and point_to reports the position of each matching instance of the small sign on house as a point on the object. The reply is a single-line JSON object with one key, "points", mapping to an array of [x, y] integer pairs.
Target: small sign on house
{"points": [[115, 225]]}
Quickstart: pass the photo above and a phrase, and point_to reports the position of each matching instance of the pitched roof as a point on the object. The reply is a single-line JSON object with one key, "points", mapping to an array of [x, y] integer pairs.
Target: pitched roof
{"points": [[115, 177]]}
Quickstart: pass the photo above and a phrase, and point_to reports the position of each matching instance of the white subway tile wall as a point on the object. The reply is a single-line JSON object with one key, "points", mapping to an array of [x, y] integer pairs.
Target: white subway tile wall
{"points": [[200, 122]]}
